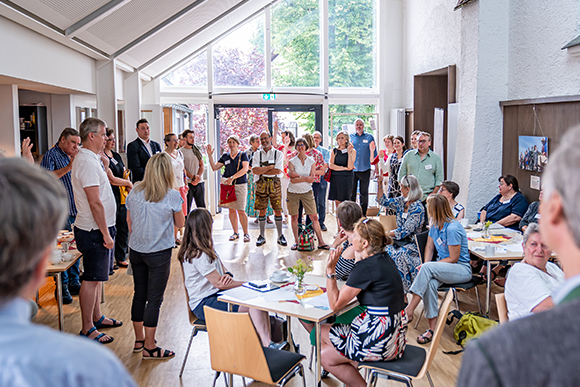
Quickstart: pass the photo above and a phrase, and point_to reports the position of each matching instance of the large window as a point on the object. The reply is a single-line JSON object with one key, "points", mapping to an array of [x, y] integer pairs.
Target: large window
{"points": [[296, 43], [192, 73], [342, 118], [351, 43], [238, 58]]}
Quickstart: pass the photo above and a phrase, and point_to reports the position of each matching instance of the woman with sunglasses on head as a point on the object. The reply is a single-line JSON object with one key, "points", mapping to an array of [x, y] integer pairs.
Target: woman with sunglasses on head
{"points": [[410, 221], [377, 334], [448, 237]]}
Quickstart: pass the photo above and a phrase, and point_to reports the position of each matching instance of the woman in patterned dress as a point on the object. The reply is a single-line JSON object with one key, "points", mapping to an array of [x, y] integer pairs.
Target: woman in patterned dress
{"points": [[410, 221], [377, 334]]}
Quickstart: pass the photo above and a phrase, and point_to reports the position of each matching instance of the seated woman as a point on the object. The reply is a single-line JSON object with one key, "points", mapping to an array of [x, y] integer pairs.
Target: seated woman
{"points": [[449, 238], [205, 274], [531, 215], [450, 190], [377, 334], [507, 207], [531, 282], [410, 221], [347, 213]]}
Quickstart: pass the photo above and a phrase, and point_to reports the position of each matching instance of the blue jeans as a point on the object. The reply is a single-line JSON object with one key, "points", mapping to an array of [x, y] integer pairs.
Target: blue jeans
{"points": [[212, 302], [71, 276], [320, 197], [433, 274]]}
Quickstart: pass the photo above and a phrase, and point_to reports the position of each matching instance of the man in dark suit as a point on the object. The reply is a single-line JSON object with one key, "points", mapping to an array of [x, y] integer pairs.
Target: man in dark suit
{"points": [[541, 350], [140, 150]]}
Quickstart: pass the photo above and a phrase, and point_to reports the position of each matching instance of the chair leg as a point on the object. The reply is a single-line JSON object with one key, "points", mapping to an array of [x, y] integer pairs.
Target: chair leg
{"points": [[478, 301], [303, 374], [193, 332], [311, 357], [244, 381], [373, 379], [419, 319], [215, 378], [429, 379], [455, 297]]}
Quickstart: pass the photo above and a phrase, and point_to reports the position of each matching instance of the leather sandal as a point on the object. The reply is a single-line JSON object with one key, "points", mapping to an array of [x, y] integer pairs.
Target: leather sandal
{"points": [[139, 349], [423, 339], [97, 339], [99, 324], [156, 354], [234, 237]]}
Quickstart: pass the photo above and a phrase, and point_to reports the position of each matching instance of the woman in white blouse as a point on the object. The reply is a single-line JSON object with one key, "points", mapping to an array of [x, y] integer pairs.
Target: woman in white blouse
{"points": [[302, 173], [531, 282]]}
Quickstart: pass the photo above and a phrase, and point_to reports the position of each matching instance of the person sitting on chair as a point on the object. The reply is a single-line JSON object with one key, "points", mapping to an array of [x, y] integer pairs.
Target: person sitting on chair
{"points": [[449, 238], [531, 282]]}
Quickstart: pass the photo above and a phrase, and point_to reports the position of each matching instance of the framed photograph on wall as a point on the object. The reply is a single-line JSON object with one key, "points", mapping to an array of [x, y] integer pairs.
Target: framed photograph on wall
{"points": [[532, 153]]}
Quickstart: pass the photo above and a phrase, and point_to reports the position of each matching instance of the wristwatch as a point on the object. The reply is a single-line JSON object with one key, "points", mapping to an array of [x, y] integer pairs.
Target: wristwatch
{"points": [[331, 276]]}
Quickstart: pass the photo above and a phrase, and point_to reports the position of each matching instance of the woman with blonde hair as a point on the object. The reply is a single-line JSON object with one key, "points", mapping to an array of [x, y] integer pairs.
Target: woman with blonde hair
{"points": [[377, 334], [236, 166], [452, 266], [153, 209]]}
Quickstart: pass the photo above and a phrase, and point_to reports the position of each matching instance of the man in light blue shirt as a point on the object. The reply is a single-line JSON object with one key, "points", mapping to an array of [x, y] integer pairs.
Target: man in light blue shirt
{"points": [[362, 164], [32, 209], [320, 188]]}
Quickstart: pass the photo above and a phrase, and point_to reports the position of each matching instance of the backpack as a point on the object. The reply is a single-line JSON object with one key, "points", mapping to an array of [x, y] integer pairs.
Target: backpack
{"points": [[305, 237], [469, 326]]}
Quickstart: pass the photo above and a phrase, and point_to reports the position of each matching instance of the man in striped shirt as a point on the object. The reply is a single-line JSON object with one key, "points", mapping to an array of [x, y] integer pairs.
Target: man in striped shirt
{"points": [[59, 159]]}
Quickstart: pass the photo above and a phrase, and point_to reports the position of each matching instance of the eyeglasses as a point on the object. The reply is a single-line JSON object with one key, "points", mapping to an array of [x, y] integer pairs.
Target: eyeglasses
{"points": [[110, 139], [299, 144], [422, 141]]}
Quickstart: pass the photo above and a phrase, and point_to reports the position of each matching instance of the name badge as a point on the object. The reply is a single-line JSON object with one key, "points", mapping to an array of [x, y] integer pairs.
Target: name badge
{"points": [[365, 141], [507, 202], [439, 241], [114, 161], [428, 167], [344, 150], [537, 216], [227, 162], [405, 215]]}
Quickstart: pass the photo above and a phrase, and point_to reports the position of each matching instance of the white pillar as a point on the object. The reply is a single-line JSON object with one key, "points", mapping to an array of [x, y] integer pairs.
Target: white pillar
{"points": [[106, 93], [389, 64], [9, 122], [63, 115], [133, 107]]}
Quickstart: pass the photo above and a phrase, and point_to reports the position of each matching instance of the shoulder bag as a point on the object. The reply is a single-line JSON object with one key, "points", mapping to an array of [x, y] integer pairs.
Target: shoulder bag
{"points": [[228, 192]]}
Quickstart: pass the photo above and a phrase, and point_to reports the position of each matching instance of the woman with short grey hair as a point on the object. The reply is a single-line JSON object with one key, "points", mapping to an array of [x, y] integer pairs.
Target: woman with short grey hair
{"points": [[410, 221]]}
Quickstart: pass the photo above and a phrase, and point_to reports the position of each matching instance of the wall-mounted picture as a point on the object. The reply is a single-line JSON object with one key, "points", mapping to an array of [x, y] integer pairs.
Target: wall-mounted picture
{"points": [[532, 153]]}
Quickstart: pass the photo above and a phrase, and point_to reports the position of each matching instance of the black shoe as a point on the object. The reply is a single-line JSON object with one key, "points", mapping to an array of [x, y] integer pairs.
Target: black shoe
{"points": [[115, 267], [279, 346], [66, 297], [282, 241], [323, 227], [111, 272], [74, 289], [260, 241]]}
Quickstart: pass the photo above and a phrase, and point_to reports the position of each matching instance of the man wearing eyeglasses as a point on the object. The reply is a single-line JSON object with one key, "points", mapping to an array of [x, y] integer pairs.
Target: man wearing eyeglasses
{"points": [[362, 165], [425, 165]]}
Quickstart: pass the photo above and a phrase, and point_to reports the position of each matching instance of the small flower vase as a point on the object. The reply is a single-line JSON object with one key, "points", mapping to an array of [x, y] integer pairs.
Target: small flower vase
{"points": [[299, 288], [486, 231]]}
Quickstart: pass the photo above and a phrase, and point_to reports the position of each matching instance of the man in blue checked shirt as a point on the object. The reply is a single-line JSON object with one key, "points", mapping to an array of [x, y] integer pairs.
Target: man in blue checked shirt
{"points": [[59, 159], [362, 164]]}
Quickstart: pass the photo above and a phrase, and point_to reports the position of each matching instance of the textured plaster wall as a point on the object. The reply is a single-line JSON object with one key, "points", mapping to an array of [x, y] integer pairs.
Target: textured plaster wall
{"points": [[538, 65]]}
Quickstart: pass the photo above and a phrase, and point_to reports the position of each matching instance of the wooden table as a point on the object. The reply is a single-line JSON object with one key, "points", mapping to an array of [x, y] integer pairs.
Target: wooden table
{"points": [[56, 271], [475, 249], [317, 316]]}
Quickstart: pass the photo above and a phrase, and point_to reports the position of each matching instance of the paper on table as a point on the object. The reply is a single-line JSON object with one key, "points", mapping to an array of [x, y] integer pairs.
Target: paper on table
{"points": [[241, 293], [282, 294], [516, 248], [320, 301], [474, 235]]}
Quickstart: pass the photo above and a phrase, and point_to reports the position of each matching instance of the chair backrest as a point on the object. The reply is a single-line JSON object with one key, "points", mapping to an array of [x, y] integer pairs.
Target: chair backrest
{"points": [[421, 242], [501, 305], [437, 334], [234, 345], [192, 317], [389, 222]]}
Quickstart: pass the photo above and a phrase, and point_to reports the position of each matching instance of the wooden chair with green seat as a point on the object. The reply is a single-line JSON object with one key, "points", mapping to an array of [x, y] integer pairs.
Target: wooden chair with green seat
{"points": [[196, 323], [415, 362], [236, 349]]}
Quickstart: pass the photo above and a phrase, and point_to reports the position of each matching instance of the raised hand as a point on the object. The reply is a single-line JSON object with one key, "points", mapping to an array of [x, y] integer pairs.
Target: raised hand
{"points": [[209, 149]]}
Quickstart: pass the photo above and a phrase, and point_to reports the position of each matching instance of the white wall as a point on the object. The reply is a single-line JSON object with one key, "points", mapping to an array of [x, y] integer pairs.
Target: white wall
{"points": [[538, 65], [31, 56]]}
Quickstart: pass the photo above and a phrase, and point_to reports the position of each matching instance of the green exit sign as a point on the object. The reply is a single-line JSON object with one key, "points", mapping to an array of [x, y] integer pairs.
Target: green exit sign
{"points": [[269, 97]]}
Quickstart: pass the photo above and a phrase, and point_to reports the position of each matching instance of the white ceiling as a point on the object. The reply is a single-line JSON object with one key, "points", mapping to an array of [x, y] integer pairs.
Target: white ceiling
{"points": [[149, 35]]}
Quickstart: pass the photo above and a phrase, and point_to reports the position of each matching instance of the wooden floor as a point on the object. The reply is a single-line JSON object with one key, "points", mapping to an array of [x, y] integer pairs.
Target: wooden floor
{"points": [[247, 262]]}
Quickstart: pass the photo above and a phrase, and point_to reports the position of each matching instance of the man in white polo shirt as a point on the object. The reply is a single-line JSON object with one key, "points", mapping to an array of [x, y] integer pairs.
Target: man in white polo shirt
{"points": [[94, 226]]}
